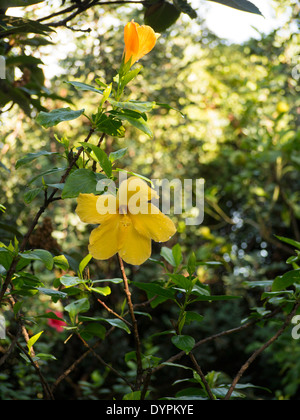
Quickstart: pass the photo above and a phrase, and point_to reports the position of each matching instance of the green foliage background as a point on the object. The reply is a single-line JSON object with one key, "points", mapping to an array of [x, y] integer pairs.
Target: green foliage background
{"points": [[240, 132]]}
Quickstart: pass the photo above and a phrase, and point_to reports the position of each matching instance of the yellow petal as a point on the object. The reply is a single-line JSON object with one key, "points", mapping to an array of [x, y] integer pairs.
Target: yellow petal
{"points": [[104, 240], [154, 225], [139, 41], [147, 40], [135, 190], [88, 206], [136, 248], [131, 40]]}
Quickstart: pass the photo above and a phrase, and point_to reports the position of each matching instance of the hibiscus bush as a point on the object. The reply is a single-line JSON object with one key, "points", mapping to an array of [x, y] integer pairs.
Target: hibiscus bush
{"points": [[133, 290]]}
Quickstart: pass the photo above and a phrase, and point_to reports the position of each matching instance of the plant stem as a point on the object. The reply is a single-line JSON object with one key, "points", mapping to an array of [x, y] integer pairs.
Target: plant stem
{"points": [[134, 327]]}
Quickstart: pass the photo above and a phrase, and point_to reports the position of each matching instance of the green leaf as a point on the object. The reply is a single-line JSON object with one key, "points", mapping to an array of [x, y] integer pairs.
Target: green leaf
{"points": [[39, 255], [114, 322], [155, 289], [132, 396], [104, 291], [30, 195], [61, 262], [18, 3], [138, 106], [177, 254], [56, 294], [85, 87], [33, 340], [81, 181], [181, 281], [75, 308], [110, 125], [167, 254], [191, 267], [15, 25], [117, 155], [193, 316], [106, 94], [114, 281], [138, 123], [101, 157], [289, 241], [84, 263], [51, 119], [32, 156], [93, 330], [48, 172], [183, 342], [130, 76], [285, 281], [6, 258], [71, 281], [244, 5], [184, 7]]}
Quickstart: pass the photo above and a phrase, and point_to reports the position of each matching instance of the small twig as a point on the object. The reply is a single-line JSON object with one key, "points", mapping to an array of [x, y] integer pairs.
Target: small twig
{"points": [[215, 337], [105, 364], [46, 388], [202, 376], [259, 351], [134, 326], [114, 313]]}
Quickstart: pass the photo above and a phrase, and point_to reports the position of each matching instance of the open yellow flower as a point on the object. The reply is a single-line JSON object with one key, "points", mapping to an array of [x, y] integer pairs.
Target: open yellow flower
{"points": [[128, 222], [139, 41]]}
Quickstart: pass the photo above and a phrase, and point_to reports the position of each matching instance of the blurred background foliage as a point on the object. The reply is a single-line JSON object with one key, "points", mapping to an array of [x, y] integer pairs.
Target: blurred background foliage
{"points": [[240, 132]]}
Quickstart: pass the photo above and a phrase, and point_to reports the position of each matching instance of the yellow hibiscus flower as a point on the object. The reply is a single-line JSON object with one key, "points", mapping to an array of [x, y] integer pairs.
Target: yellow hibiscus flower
{"points": [[128, 222], [139, 41]]}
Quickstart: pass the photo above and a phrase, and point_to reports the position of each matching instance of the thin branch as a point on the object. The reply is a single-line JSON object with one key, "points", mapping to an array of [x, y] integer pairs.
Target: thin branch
{"points": [[114, 313], [82, 8], [216, 336], [46, 388], [106, 364], [261, 350], [202, 376], [134, 326]]}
